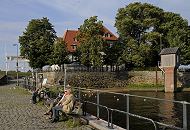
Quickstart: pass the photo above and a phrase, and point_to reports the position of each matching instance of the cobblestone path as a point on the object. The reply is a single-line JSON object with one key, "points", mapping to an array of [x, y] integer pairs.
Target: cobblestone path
{"points": [[17, 113]]}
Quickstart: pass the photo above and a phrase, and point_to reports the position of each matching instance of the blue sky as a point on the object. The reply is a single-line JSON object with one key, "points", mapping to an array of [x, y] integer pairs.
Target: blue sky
{"points": [[65, 14]]}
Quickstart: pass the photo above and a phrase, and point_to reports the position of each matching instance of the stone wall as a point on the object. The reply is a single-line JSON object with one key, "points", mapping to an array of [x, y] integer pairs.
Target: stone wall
{"points": [[111, 78], [146, 77], [53, 77]]}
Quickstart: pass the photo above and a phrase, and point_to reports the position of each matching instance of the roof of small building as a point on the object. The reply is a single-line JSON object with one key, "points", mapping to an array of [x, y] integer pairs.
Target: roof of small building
{"points": [[166, 51]]}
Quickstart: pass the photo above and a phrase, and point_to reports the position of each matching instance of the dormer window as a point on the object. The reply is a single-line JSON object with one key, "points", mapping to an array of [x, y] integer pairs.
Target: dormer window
{"points": [[74, 46], [107, 35], [75, 39]]}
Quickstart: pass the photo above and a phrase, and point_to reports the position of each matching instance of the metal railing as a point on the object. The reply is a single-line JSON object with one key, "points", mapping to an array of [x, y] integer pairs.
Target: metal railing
{"points": [[110, 115], [110, 110], [30, 85]]}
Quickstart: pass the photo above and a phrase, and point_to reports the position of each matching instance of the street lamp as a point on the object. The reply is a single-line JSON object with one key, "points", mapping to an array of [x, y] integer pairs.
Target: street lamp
{"points": [[16, 62]]}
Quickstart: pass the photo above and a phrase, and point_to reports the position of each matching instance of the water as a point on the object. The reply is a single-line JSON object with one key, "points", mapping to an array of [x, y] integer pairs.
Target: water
{"points": [[166, 112]]}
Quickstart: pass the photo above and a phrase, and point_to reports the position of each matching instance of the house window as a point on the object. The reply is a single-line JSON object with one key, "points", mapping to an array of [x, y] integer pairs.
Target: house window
{"points": [[111, 44], [74, 47], [107, 35], [75, 39]]}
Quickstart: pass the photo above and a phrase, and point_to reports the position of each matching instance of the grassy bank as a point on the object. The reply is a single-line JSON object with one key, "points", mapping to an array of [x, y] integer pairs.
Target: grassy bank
{"points": [[13, 74], [136, 87]]}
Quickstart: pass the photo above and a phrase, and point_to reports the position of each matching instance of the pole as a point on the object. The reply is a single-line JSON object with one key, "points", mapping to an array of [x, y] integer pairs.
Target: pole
{"points": [[160, 42], [6, 69], [127, 116], [16, 62], [98, 103], [184, 115], [17, 65], [156, 78]]}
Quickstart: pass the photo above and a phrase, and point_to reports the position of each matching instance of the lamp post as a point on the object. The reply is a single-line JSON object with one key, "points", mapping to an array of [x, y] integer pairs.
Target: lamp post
{"points": [[16, 62], [160, 42]]}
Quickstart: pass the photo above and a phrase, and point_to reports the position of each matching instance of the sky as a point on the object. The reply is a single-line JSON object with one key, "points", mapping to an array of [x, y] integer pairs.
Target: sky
{"points": [[65, 14]]}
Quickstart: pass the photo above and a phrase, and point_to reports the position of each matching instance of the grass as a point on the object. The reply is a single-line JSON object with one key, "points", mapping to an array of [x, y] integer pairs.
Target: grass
{"points": [[21, 91], [145, 86], [70, 124], [15, 89]]}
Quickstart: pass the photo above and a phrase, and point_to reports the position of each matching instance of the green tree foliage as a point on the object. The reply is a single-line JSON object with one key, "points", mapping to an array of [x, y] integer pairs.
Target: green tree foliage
{"points": [[91, 42], [112, 52], [177, 33], [36, 43], [60, 54], [146, 29]]}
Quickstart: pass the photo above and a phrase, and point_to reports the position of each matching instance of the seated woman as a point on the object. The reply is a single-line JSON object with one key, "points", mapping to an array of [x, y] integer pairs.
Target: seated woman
{"points": [[52, 103], [65, 104]]}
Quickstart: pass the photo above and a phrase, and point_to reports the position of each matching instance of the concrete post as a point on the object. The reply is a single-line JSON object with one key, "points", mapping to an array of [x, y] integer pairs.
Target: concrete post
{"points": [[170, 79]]}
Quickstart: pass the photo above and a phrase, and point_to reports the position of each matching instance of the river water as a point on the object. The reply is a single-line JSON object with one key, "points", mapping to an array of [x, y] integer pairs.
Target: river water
{"points": [[167, 112]]}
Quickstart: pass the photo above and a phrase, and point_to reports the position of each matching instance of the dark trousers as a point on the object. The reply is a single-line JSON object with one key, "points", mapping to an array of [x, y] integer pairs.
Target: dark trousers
{"points": [[55, 112], [34, 97]]}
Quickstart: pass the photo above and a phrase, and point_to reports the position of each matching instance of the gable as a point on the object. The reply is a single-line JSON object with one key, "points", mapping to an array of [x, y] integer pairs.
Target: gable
{"points": [[71, 41]]}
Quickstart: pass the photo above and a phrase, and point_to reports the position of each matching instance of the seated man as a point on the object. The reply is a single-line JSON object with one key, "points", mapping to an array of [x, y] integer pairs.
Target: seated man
{"points": [[65, 104], [40, 93]]}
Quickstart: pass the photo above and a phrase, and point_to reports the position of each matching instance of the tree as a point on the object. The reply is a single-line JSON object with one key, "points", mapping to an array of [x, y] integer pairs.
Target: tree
{"points": [[146, 29], [177, 33], [112, 52], [91, 41], [60, 54], [36, 43]]}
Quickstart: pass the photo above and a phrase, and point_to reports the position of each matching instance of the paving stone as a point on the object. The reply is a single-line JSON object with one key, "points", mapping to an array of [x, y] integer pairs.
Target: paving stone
{"points": [[17, 113]]}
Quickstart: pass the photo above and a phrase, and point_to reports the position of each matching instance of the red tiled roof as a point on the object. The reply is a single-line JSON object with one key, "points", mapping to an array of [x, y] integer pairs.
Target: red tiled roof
{"points": [[69, 38], [112, 37], [70, 35]]}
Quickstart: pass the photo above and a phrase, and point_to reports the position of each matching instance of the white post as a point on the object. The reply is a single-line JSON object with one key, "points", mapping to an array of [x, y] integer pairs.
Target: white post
{"points": [[65, 77], [16, 62], [6, 68]]}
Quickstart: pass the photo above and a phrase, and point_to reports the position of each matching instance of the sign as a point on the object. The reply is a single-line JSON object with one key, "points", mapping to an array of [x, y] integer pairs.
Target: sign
{"points": [[11, 58]]}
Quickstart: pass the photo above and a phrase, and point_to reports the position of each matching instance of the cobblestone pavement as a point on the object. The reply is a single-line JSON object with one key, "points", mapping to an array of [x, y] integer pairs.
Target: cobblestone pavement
{"points": [[17, 113]]}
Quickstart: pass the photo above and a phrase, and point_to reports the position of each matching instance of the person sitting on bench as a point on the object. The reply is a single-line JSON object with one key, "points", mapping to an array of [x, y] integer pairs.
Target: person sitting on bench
{"points": [[52, 103], [38, 93], [65, 104]]}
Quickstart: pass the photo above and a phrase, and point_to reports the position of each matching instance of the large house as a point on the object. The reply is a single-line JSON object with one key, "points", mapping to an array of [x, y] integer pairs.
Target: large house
{"points": [[72, 43]]}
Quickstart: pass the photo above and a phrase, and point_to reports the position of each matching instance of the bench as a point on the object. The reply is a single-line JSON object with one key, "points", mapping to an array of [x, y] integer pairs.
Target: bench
{"points": [[76, 112]]}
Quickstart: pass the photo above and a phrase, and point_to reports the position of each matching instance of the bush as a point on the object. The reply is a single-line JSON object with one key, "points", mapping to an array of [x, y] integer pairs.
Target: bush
{"points": [[54, 91]]}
